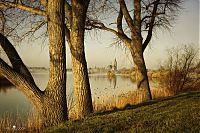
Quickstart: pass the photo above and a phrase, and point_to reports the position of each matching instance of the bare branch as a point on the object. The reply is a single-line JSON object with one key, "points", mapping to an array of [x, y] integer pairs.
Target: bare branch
{"points": [[36, 27], [119, 22], [22, 7], [26, 86], [14, 58], [127, 16], [90, 24], [99, 25], [151, 25], [158, 13], [68, 12], [3, 21], [137, 16]]}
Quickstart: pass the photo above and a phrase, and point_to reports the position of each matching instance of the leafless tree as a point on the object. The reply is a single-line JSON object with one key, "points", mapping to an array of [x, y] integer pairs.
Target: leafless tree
{"points": [[182, 67], [134, 25], [61, 17]]}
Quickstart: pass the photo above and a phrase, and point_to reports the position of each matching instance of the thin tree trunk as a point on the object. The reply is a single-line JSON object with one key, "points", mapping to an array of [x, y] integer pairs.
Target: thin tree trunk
{"points": [[82, 90], [142, 78]]}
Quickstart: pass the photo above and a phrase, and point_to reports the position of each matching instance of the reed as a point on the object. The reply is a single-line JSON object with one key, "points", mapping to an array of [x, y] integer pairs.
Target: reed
{"points": [[32, 122], [120, 101], [29, 122], [131, 97]]}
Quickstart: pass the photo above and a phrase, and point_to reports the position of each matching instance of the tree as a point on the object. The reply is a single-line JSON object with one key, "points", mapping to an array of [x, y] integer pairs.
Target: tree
{"points": [[182, 67], [147, 15], [75, 28], [51, 103], [76, 11]]}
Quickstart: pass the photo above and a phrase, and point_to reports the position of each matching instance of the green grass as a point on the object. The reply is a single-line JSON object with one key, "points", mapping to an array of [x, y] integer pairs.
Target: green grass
{"points": [[179, 113]]}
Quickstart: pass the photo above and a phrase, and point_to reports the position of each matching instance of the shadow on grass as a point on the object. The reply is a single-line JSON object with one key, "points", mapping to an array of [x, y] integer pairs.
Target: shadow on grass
{"points": [[195, 94]]}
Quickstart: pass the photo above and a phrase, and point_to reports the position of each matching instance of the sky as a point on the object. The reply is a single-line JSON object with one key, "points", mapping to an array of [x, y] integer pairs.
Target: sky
{"points": [[100, 53]]}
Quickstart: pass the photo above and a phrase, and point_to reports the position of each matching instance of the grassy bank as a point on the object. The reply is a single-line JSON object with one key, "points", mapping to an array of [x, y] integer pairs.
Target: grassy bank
{"points": [[179, 113]]}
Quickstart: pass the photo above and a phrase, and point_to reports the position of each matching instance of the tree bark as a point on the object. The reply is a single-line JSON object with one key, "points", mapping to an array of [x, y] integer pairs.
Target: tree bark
{"points": [[54, 100], [141, 71], [14, 58], [82, 92], [27, 87], [51, 103]]}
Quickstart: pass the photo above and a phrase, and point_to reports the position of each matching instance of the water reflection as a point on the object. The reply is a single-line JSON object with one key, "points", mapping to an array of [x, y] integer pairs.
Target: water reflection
{"points": [[12, 100], [112, 80]]}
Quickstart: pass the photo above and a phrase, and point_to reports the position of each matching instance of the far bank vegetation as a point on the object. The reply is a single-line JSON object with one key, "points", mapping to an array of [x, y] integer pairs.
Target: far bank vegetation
{"points": [[181, 71]]}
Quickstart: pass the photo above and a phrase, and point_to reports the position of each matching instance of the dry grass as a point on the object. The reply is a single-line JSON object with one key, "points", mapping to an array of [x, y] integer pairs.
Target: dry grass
{"points": [[28, 123], [109, 103], [129, 98], [32, 123], [174, 114], [132, 97]]}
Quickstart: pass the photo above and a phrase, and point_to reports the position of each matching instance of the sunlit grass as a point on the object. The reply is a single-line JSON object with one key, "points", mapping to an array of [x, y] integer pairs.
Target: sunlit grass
{"points": [[132, 99], [173, 114]]}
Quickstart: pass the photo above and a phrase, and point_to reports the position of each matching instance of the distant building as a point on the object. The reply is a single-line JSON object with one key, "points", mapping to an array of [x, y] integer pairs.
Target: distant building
{"points": [[115, 65]]}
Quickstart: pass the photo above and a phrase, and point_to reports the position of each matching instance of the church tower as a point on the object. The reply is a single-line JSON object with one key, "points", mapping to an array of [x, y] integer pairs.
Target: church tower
{"points": [[115, 65]]}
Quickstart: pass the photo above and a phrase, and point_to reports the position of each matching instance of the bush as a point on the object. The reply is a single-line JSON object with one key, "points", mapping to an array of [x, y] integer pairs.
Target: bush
{"points": [[182, 69]]}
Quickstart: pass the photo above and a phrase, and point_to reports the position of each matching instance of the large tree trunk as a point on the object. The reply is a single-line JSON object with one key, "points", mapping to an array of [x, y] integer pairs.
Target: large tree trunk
{"points": [[55, 105], [82, 92], [51, 103], [141, 71]]}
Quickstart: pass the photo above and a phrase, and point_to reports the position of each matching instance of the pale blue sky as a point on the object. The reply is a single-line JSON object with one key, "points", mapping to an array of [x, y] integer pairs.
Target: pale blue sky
{"points": [[99, 53]]}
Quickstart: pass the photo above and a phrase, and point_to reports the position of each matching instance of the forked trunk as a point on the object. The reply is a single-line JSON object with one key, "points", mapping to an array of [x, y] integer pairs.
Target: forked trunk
{"points": [[51, 103], [142, 78]]}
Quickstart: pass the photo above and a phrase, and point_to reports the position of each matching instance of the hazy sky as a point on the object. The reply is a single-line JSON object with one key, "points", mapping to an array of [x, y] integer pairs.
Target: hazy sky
{"points": [[99, 53]]}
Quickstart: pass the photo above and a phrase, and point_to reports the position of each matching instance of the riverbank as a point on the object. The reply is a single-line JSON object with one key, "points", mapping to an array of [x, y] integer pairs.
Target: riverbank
{"points": [[178, 113]]}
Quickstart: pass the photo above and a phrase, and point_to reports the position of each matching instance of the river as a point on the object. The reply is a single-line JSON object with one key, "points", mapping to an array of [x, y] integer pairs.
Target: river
{"points": [[14, 102]]}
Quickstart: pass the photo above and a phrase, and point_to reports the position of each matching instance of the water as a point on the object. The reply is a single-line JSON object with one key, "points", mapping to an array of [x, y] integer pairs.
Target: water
{"points": [[13, 101]]}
